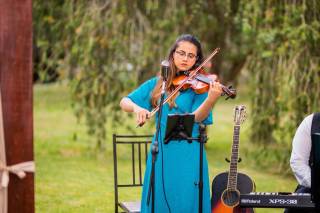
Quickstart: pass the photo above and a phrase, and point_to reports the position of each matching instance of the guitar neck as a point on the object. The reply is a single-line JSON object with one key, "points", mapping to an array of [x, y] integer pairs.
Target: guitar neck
{"points": [[233, 170]]}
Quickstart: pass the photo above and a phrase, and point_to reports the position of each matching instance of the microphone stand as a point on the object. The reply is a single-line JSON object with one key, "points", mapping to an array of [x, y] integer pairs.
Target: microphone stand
{"points": [[202, 139], [155, 145], [180, 132]]}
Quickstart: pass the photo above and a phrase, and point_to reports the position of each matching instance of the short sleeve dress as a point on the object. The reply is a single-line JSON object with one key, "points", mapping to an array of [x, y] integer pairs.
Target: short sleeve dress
{"points": [[177, 163]]}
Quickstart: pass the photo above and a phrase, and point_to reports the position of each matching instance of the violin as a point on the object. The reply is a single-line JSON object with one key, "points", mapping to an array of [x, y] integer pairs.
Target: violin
{"points": [[194, 74], [201, 83]]}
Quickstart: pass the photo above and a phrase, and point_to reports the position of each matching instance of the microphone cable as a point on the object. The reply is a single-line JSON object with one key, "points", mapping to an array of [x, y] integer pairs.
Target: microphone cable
{"points": [[162, 162]]}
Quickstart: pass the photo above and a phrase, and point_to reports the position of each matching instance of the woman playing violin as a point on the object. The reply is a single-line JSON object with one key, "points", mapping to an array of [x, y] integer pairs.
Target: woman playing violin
{"points": [[177, 163]]}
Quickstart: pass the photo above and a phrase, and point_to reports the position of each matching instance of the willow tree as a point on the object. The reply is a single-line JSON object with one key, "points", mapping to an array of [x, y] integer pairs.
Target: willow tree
{"points": [[108, 47], [285, 70]]}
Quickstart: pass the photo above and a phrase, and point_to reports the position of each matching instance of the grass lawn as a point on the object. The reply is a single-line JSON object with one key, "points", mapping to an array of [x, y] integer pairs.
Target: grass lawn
{"points": [[71, 177]]}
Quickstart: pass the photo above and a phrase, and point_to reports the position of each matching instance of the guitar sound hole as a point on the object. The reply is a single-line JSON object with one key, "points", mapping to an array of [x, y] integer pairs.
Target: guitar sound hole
{"points": [[230, 198]]}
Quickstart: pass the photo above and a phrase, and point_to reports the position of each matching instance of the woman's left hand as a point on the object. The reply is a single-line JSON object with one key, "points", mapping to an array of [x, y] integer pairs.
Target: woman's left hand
{"points": [[215, 90]]}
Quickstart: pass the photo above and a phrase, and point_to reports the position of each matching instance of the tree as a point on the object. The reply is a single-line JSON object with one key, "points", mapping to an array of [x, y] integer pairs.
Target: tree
{"points": [[285, 69], [107, 48]]}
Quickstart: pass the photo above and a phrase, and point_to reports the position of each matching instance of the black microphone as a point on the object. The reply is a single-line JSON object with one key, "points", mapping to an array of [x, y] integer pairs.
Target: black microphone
{"points": [[165, 66]]}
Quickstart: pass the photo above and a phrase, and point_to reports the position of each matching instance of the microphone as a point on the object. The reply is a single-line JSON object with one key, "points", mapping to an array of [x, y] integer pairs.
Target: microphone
{"points": [[165, 66]]}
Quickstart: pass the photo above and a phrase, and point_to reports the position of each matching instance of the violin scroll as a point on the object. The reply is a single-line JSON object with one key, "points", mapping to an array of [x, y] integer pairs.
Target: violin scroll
{"points": [[229, 92]]}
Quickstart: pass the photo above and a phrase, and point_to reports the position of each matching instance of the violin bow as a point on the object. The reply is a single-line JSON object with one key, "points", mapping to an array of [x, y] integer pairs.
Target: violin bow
{"points": [[192, 75]]}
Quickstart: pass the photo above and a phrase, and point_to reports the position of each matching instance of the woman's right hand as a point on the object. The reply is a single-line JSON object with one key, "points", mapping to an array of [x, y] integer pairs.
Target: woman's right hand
{"points": [[141, 114]]}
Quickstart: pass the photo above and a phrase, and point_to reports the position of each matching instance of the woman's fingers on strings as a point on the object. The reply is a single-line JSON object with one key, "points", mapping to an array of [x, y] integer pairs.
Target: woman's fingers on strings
{"points": [[211, 84], [217, 86], [220, 87]]}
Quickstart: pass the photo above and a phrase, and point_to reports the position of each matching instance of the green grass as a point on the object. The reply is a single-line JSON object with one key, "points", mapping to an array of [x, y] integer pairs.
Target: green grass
{"points": [[71, 177]]}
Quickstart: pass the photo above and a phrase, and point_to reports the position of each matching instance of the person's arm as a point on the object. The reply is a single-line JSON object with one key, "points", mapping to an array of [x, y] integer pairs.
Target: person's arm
{"points": [[128, 105], [205, 108], [301, 147]]}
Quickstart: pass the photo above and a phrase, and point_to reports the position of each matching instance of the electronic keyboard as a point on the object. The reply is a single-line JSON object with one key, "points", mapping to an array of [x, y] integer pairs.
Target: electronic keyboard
{"points": [[276, 200]]}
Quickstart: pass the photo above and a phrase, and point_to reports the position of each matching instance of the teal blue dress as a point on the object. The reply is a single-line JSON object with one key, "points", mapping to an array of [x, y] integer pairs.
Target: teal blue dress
{"points": [[177, 163]]}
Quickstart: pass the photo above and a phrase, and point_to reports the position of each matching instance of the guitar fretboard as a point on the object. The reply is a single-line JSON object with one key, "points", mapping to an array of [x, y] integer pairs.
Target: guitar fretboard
{"points": [[232, 177]]}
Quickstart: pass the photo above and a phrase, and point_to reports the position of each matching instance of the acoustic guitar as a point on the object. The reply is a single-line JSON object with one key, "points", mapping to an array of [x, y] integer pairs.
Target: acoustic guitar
{"points": [[227, 186]]}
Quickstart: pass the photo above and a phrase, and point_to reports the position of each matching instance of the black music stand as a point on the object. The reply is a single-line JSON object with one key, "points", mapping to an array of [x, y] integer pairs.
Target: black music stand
{"points": [[179, 127], [315, 170]]}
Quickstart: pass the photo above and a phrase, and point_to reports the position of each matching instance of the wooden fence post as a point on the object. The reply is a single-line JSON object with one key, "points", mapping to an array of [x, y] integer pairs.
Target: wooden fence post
{"points": [[16, 88]]}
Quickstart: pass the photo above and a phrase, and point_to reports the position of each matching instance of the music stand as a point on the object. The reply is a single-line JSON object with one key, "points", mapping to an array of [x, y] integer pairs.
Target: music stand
{"points": [[315, 170], [179, 127]]}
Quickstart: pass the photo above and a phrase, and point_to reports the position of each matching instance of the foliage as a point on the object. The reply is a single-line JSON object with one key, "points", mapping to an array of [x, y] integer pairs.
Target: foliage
{"points": [[48, 48], [285, 69], [107, 48]]}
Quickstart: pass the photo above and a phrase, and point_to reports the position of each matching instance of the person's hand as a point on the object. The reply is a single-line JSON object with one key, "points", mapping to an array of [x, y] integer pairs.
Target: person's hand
{"points": [[215, 90], [141, 115]]}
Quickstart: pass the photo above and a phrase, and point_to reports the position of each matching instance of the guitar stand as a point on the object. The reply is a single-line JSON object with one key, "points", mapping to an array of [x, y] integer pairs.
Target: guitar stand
{"points": [[179, 127]]}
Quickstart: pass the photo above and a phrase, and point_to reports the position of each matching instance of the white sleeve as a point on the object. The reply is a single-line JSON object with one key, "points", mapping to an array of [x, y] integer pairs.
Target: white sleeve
{"points": [[301, 147]]}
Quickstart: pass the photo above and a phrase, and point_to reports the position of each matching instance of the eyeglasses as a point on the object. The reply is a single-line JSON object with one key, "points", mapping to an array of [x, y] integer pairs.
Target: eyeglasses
{"points": [[183, 54]]}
